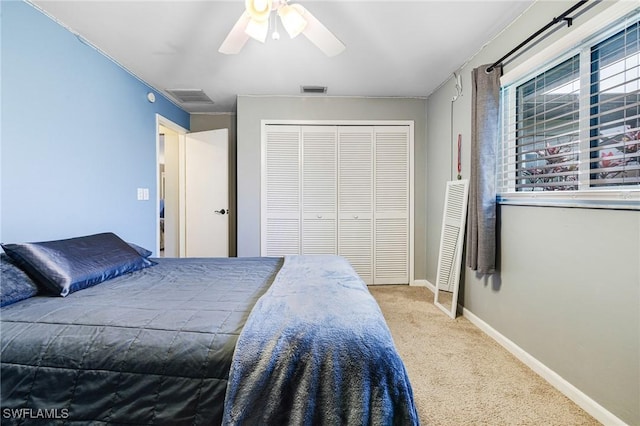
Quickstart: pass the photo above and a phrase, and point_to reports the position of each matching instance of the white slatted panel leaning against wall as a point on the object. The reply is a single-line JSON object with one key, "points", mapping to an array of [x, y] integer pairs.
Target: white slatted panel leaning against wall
{"points": [[451, 245], [352, 186]]}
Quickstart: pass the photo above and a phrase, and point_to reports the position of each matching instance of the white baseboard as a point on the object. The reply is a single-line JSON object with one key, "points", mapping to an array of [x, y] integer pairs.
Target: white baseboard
{"points": [[424, 283], [420, 283], [580, 398]]}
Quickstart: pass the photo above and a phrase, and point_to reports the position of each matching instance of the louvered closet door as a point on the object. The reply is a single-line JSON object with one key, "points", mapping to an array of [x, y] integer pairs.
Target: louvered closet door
{"points": [[282, 191], [355, 198], [391, 205], [319, 187]]}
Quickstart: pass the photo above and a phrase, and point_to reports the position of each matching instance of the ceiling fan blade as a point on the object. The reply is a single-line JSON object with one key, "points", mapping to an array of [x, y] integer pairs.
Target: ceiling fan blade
{"points": [[319, 35], [237, 37]]}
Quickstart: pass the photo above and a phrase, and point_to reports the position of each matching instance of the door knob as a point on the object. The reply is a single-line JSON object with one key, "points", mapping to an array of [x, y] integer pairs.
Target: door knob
{"points": [[221, 211]]}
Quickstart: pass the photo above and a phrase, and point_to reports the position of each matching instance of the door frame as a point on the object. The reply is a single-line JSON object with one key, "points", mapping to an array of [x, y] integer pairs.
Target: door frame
{"points": [[410, 123], [181, 131]]}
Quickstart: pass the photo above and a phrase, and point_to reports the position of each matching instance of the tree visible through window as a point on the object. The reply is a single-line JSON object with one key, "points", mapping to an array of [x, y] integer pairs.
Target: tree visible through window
{"points": [[547, 138]]}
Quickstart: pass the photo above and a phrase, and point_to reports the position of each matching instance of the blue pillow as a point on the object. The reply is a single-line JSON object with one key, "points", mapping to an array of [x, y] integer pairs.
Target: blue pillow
{"points": [[141, 250], [65, 266], [15, 285]]}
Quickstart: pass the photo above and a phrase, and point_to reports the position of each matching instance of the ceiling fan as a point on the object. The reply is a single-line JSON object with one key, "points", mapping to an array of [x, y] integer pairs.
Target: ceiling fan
{"points": [[254, 23]]}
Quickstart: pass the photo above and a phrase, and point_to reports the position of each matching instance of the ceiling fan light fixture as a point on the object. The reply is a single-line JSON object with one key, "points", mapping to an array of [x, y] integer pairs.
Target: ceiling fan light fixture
{"points": [[257, 30], [259, 10], [292, 20], [254, 23]]}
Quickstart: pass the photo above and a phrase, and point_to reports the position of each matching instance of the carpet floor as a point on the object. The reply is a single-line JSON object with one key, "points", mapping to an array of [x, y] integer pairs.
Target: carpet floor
{"points": [[460, 376]]}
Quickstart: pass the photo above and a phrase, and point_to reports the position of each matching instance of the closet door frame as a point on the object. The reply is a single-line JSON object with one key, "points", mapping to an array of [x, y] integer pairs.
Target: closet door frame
{"points": [[409, 123]]}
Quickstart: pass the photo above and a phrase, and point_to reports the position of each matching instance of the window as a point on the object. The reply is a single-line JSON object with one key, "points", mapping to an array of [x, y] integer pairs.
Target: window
{"points": [[571, 131], [615, 110]]}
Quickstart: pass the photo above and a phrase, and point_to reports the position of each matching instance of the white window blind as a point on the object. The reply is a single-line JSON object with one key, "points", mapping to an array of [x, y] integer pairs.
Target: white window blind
{"points": [[614, 128], [573, 127]]}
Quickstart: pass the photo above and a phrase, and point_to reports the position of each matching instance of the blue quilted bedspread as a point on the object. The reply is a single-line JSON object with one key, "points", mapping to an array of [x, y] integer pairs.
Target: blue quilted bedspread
{"points": [[151, 347], [316, 350]]}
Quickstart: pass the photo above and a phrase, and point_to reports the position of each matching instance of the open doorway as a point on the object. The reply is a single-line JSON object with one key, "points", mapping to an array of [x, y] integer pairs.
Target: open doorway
{"points": [[169, 217], [193, 191]]}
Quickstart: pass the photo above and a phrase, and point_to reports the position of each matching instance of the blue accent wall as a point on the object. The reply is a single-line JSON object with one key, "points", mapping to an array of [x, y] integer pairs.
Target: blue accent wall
{"points": [[78, 136]]}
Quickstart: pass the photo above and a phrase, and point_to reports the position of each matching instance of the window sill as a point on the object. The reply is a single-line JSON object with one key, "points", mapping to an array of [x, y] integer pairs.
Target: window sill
{"points": [[613, 200]]}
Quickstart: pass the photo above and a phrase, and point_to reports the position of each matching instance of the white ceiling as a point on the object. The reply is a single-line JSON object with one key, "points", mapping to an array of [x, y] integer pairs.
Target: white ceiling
{"points": [[394, 48]]}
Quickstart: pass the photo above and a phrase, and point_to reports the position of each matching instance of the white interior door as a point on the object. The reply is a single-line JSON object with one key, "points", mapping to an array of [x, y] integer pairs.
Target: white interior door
{"points": [[207, 194]]}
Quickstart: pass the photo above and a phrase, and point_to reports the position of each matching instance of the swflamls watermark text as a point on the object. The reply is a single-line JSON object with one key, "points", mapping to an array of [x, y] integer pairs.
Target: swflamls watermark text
{"points": [[35, 413]]}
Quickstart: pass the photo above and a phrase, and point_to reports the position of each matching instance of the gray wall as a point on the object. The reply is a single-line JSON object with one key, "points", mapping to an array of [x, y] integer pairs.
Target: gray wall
{"points": [[568, 290], [202, 122], [253, 109]]}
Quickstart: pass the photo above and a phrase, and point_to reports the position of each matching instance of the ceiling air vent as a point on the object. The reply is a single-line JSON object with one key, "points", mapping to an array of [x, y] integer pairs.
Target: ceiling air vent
{"points": [[314, 89], [190, 96]]}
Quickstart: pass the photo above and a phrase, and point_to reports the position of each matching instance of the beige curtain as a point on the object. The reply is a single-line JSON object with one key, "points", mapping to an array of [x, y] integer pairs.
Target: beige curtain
{"points": [[481, 221]]}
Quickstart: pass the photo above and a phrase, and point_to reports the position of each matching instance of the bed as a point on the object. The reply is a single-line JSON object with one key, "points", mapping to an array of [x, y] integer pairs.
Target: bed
{"points": [[239, 341]]}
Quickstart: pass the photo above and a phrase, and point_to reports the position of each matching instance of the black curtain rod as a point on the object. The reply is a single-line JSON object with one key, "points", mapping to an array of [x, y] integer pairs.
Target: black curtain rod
{"points": [[563, 17]]}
